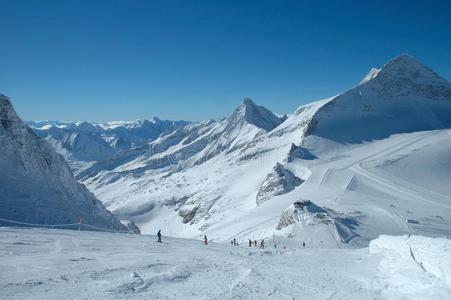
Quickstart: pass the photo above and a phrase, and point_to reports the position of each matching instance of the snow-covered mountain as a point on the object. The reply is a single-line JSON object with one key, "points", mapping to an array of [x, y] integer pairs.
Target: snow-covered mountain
{"points": [[37, 185], [403, 96], [84, 143], [372, 160], [194, 144]]}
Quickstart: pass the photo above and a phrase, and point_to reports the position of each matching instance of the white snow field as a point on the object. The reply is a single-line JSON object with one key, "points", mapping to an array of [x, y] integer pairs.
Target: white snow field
{"points": [[64, 264]]}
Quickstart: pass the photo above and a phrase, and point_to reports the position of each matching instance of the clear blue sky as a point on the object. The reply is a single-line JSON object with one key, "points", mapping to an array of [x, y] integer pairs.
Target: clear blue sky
{"points": [[194, 60]]}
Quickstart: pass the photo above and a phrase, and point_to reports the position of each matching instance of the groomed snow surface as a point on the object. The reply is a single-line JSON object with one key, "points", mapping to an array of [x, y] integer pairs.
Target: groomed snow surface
{"points": [[58, 264]]}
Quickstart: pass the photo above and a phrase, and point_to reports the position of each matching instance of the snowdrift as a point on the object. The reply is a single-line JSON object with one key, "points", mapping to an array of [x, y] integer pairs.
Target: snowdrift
{"points": [[414, 266]]}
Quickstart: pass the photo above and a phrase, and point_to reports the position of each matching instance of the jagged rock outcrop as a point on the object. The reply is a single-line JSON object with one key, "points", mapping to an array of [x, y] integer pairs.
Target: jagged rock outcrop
{"points": [[278, 182]]}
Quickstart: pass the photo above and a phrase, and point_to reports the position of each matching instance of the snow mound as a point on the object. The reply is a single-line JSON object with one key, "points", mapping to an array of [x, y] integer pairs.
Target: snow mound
{"points": [[414, 266]]}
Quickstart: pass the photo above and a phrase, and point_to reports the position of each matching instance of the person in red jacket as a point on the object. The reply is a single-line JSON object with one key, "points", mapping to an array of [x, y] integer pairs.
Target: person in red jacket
{"points": [[205, 240]]}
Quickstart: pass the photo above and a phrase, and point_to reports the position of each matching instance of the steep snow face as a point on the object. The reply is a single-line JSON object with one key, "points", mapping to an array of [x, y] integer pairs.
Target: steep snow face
{"points": [[404, 96], [36, 184], [84, 143]]}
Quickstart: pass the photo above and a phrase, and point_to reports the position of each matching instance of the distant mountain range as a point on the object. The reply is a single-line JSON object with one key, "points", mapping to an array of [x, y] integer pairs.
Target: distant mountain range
{"points": [[83, 143]]}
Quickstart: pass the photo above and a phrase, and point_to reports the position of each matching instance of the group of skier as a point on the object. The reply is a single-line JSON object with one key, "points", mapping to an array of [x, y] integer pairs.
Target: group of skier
{"points": [[233, 242], [254, 243]]}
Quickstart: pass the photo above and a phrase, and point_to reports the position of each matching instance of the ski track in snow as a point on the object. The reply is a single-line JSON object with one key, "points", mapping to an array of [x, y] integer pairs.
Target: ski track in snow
{"points": [[58, 264]]}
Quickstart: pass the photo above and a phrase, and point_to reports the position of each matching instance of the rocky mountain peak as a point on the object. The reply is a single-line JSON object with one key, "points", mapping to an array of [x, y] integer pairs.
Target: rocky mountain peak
{"points": [[256, 115]]}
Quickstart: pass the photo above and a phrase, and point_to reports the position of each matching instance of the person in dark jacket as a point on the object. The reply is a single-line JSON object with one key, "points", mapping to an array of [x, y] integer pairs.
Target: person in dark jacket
{"points": [[159, 236], [205, 240]]}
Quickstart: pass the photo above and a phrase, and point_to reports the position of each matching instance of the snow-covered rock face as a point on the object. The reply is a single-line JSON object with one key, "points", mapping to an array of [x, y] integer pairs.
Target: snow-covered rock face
{"points": [[406, 76], [404, 96], [36, 184], [278, 182]]}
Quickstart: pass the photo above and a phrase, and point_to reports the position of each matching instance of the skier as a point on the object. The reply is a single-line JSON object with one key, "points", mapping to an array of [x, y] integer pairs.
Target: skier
{"points": [[231, 242], [159, 236], [250, 243], [262, 244], [303, 244], [234, 242], [205, 240], [255, 243]]}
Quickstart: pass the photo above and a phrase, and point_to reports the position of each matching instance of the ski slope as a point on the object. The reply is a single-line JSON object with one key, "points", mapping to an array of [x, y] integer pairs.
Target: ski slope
{"points": [[58, 264]]}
